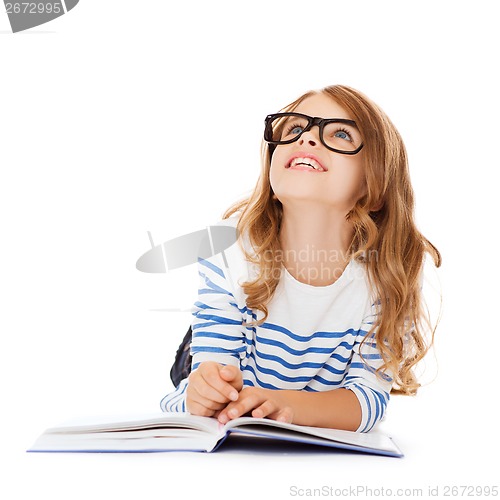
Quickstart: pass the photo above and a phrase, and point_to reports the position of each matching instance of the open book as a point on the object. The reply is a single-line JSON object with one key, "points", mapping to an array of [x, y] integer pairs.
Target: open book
{"points": [[185, 432]]}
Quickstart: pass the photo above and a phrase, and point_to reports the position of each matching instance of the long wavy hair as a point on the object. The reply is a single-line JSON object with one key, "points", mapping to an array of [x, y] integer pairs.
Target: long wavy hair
{"points": [[384, 225]]}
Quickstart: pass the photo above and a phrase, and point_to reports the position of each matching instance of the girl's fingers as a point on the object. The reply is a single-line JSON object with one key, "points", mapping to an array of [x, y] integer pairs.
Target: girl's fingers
{"points": [[271, 410], [235, 410], [197, 408], [206, 391], [262, 403], [283, 415], [207, 402], [218, 386], [208, 384], [233, 375], [265, 409]]}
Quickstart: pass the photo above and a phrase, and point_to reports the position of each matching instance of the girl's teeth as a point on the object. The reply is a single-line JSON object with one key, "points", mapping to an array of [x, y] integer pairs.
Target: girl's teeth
{"points": [[307, 162]]}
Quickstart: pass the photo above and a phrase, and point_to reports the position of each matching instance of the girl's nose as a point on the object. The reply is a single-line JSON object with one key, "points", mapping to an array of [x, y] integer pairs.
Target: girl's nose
{"points": [[309, 137]]}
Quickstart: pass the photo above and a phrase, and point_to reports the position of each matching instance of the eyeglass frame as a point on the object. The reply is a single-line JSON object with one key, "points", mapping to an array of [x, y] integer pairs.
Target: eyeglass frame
{"points": [[312, 121]]}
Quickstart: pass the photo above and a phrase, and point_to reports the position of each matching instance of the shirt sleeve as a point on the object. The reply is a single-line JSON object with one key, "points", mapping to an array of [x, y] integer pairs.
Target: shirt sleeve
{"points": [[176, 400], [371, 388], [217, 326], [218, 321]]}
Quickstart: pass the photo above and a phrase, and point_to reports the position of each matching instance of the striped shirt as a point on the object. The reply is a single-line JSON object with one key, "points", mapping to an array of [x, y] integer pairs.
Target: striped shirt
{"points": [[310, 341]]}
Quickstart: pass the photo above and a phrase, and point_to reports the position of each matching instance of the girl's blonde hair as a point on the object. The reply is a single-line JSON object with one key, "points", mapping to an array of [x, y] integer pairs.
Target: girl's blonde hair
{"points": [[384, 226]]}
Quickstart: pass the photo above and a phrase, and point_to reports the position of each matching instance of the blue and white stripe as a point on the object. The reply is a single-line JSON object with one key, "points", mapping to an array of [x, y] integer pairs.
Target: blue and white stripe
{"points": [[312, 339]]}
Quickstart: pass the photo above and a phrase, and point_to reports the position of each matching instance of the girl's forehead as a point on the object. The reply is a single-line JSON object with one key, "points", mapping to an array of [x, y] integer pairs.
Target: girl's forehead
{"points": [[323, 106]]}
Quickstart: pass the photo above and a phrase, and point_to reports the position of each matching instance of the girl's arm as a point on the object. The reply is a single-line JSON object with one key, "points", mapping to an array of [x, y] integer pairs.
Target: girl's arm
{"points": [[337, 409], [357, 405]]}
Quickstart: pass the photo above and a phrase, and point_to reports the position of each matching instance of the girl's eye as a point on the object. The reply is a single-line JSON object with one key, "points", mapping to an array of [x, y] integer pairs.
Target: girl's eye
{"points": [[296, 130], [339, 134], [293, 129], [343, 134]]}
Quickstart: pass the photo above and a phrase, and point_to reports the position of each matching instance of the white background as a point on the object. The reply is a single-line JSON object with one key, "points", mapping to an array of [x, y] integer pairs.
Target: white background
{"points": [[125, 117]]}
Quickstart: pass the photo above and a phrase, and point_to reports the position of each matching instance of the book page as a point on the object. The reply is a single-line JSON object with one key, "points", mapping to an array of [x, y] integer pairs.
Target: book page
{"points": [[164, 420], [272, 428], [151, 440], [133, 433]]}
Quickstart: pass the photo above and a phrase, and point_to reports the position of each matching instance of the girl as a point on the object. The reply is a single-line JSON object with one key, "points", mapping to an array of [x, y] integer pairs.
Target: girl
{"points": [[316, 314]]}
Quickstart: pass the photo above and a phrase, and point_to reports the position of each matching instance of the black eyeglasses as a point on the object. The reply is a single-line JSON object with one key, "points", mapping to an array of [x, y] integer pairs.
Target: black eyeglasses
{"points": [[337, 134]]}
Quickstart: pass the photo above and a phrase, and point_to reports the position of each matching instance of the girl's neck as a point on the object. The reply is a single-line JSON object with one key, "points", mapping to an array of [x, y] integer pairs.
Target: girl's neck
{"points": [[315, 243]]}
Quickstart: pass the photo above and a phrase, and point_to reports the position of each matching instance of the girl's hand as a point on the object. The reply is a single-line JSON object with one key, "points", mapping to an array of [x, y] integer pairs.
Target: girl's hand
{"points": [[261, 403], [211, 387]]}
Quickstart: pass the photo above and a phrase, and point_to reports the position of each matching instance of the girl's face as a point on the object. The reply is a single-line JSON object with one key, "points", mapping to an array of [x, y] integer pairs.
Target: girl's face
{"points": [[336, 182]]}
